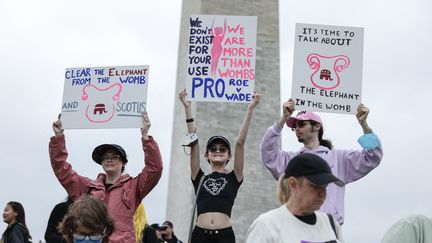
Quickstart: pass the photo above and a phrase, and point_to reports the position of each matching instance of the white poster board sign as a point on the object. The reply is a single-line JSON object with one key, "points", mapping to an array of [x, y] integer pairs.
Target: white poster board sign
{"points": [[221, 58], [328, 64], [104, 97]]}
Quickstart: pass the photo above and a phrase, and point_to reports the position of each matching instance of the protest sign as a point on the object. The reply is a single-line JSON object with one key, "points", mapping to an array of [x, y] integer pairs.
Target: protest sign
{"points": [[104, 97], [328, 63], [221, 58]]}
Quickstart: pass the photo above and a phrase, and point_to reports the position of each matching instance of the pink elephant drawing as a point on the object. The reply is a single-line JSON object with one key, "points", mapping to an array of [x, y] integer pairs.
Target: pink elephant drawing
{"points": [[101, 108], [326, 70]]}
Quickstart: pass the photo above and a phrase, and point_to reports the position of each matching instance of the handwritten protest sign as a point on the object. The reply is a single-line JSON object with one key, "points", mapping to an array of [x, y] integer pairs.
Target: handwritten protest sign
{"points": [[104, 97], [221, 58], [328, 63]]}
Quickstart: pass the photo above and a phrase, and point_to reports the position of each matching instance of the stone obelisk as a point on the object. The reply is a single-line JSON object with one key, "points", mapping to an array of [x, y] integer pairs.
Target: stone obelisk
{"points": [[258, 191]]}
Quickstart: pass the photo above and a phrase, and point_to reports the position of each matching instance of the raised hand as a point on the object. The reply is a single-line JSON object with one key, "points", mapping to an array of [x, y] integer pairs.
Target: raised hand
{"points": [[255, 100], [146, 125], [362, 113], [57, 127], [182, 97], [288, 107]]}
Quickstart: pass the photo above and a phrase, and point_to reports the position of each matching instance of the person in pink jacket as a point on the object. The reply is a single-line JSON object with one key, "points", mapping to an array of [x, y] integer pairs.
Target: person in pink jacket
{"points": [[121, 192], [348, 165]]}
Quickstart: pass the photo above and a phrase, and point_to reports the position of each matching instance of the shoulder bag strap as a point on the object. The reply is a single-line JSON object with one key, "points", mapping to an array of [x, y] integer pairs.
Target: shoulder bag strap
{"points": [[333, 225], [194, 209]]}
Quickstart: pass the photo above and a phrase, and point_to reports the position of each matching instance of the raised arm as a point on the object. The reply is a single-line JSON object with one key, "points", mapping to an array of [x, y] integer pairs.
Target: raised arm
{"points": [[358, 163], [272, 156], [194, 155], [73, 183], [241, 138], [152, 171]]}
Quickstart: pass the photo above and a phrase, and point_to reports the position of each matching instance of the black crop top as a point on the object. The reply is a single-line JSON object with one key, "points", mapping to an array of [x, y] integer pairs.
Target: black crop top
{"points": [[217, 193]]}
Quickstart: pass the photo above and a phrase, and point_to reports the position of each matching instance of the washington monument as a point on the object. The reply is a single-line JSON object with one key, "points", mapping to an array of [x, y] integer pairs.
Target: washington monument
{"points": [[258, 191]]}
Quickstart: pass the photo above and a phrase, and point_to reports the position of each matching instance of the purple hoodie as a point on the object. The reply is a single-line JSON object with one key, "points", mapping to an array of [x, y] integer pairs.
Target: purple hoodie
{"points": [[347, 165]]}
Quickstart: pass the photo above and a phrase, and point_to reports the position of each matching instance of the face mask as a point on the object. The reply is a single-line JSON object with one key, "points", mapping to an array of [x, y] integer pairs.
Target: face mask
{"points": [[87, 241]]}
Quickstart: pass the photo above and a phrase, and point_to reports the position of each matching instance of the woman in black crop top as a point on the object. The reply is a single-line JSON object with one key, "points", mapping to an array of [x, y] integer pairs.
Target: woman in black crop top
{"points": [[218, 190]]}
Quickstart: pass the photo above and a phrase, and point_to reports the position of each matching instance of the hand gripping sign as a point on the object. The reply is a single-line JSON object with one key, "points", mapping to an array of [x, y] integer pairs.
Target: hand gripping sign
{"points": [[104, 97]]}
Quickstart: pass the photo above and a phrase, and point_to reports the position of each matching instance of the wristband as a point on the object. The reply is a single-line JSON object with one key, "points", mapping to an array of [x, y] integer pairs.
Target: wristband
{"points": [[189, 120]]}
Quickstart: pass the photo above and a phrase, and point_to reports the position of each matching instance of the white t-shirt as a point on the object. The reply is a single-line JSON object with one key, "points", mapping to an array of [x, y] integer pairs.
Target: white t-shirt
{"points": [[280, 226]]}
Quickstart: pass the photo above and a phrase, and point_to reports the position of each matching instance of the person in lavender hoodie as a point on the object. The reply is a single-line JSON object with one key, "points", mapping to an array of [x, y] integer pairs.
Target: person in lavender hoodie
{"points": [[348, 165]]}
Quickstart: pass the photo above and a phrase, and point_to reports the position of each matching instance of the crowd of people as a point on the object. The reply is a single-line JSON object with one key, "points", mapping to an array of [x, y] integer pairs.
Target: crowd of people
{"points": [[311, 187]]}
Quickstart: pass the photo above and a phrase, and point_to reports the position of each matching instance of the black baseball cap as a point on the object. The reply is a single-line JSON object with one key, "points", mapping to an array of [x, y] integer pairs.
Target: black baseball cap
{"points": [[218, 139], [314, 168], [99, 151], [157, 227]]}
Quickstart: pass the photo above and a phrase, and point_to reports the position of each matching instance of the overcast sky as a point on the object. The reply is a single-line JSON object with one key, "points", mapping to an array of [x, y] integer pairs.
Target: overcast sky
{"points": [[39, 39]]}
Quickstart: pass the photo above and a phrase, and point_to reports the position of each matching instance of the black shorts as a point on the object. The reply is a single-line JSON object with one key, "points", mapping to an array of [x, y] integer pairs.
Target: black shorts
{"points": [[225, 235]]}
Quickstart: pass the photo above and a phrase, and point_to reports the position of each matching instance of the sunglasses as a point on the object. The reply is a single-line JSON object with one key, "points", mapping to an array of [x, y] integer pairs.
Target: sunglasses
{"points": [[300, 124], [112, 157], [80, 237], [216, 149]]}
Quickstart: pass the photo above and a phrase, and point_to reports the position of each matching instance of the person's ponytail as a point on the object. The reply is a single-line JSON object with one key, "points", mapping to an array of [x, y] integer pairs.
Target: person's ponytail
{"points": [[324, 142]]}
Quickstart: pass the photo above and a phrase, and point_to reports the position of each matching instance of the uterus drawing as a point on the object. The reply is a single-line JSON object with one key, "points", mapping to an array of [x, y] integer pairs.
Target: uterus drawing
{"points": [[326, 70], [100, 102]]}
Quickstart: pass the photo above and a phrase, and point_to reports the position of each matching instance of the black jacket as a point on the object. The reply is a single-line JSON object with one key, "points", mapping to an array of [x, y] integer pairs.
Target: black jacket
{"points": [[51, 234], [15, 233], [174, 239], [149, 235]]}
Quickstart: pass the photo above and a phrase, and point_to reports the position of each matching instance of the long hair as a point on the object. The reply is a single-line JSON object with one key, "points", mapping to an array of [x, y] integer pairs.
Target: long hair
{"points": [[140, 222], [323, 142], [20, 218], [90, 213]]}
